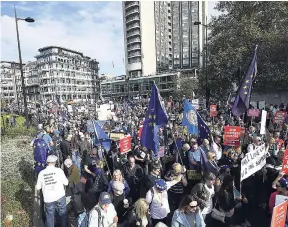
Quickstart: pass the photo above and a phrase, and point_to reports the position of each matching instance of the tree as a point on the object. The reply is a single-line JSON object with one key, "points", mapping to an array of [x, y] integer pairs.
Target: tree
{"points": [[186, 86], [232, 40]]}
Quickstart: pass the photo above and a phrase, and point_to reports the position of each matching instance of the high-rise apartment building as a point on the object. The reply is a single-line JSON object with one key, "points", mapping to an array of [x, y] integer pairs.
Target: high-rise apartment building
{"points": [[160, 36]]}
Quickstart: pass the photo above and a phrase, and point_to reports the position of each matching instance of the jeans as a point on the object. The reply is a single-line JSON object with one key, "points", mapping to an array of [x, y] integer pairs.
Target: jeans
{"points": [[60, 206]]}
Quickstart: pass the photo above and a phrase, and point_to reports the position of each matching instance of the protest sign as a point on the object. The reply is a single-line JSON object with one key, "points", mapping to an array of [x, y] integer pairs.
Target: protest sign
{"points": [[285, 162], [169, 104], [253, 113], [140, 131], [263, 122], [232, 135], [253, 161], [261, 105], [116, 136], [279, 117], [195, 103], [161, 152], [213, 110], [125, 144], [279, 215], [280, 199], [193, 175]]}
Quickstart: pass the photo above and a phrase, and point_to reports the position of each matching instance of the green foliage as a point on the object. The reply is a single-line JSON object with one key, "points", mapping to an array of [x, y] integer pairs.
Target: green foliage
{"points": [[233, 37], [186, 87]]}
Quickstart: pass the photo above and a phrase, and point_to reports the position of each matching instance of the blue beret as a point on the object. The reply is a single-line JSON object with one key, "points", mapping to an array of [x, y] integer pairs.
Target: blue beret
{"points": [[160, 185]]}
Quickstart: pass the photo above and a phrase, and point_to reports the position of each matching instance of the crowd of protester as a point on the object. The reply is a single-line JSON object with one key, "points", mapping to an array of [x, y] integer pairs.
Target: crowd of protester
{"points": [[84, 185]]}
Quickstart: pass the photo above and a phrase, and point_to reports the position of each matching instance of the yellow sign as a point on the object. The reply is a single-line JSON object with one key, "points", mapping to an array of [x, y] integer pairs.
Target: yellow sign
{"points": [[116, 136], [193, 175]]}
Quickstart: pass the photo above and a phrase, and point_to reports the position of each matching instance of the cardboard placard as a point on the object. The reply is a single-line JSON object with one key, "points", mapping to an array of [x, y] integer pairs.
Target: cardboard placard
{"points": [[213, 110], [232, 135], [279, 215], [253, 113], [116, 136], [263, 122], [279, 117], [285, 162], [193, 175], [125, 144]]}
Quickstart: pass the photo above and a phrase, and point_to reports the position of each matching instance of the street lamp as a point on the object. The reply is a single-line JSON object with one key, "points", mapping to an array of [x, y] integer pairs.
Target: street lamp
{"points": [[206, 59], [29, 20]]}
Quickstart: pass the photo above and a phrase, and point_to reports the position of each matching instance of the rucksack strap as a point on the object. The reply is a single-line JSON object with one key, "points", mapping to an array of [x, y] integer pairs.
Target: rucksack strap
{"points": [[99, 216]]}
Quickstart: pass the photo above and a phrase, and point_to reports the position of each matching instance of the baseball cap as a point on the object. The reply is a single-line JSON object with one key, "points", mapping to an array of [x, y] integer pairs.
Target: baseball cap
{"points": [[105, 198]]}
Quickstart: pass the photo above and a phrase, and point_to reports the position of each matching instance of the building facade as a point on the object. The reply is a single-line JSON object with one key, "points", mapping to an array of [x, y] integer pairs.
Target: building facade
{"points": [[10, 81], [167, 84], [160, 36], [32, 83], [64, 73]]}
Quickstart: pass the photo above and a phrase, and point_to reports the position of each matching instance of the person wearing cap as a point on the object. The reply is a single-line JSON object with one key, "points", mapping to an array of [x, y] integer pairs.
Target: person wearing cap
{"points": [[52, 181], [281, 189], [104, 213], [255, 144], [42, 134], [157, 197], [153, 176], [72, 173]]}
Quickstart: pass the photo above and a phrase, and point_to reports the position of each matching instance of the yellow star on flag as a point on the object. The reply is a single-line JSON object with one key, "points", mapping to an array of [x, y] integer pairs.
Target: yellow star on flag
{"points": [[247, 81], [245, 87], [38, 144], [245, 92], [150, 124], [150, 116], [154, 124], [251, 76], [154, 116]]}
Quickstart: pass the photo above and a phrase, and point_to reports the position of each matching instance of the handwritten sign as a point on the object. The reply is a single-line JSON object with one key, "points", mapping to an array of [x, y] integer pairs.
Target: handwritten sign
{"points": [[285, 162], [125, 144], [253, 113], [253, 161], [195, 103], [116, 136], [232, 135], [193, 175], [279, 215], [279, 117], [213, 110]]}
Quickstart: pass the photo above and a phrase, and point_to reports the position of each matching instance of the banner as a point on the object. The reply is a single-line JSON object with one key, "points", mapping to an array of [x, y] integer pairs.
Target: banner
{"points": [[263, 122], [253, 113], [253, 161], [279, 215], [140, 131], [279, 117], [116, 136], [213, 110], [125, 144], [232, 135], [285, 162]]}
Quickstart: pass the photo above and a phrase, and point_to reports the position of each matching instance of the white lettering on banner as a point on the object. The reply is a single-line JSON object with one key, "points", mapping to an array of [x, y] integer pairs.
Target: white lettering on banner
{"points": [[263, 122], [253, 161]]}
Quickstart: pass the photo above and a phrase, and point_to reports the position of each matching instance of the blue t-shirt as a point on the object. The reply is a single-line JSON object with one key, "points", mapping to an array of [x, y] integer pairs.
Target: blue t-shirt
{"points": [[194, 156]]}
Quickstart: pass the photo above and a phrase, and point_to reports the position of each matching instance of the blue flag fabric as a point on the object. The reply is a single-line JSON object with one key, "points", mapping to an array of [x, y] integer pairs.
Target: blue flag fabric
{"points": [[155, 116], [207, 166], [242, 99], [195, 124], [101, 137]]}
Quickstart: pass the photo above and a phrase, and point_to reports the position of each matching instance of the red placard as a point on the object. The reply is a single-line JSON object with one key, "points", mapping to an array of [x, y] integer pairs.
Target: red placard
{"points": [[285, 162], [232, 135], [125, 144], [213, 110], [140, 131], [253, 113], [279, 215], [279, 117], [169, 104]]}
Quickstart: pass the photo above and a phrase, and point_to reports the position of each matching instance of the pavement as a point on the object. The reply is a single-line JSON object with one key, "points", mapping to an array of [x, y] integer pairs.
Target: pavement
{"points": [[37, 220]]}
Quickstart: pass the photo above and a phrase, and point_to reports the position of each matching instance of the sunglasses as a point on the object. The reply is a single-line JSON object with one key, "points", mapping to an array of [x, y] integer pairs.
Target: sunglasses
{"points": [[192, 207]]}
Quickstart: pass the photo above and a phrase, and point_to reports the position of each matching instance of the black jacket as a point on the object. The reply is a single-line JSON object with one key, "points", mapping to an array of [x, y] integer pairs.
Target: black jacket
{"points": [[133, 220], [100, 183], [65, 148]]}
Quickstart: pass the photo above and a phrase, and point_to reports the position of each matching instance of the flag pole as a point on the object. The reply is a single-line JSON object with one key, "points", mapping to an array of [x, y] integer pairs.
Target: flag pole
{"points": [[102, 148]]}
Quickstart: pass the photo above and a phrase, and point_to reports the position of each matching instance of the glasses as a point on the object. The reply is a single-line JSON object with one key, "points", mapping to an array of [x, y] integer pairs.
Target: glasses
{"points": [[192, 207]]}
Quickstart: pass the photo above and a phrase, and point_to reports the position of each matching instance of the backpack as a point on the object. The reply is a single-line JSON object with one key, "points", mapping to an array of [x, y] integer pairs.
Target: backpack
{"points": [[40, 154]]}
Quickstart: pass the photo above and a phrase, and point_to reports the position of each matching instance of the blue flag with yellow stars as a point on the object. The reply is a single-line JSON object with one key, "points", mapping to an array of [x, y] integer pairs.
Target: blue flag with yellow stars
{"points": [[242, 99], [195, 124], [156, 116]]}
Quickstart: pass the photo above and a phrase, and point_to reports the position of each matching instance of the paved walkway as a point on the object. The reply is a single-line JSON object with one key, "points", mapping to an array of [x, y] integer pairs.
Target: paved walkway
{"points": [[37, 220]]}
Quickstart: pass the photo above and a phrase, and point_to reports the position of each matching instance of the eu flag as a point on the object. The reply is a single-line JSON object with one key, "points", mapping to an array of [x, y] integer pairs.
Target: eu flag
{"points": [[155, 116], [195, 124], [101, 137], [242, 99]]}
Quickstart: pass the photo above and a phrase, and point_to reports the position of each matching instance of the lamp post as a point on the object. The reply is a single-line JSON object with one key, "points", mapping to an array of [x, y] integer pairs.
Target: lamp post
{"points": [[29, 20], [206, 60]]}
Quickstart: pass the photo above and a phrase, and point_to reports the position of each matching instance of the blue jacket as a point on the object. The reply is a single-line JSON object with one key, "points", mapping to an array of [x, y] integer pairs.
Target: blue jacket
{"points": [[126, 189], [179, 219]]}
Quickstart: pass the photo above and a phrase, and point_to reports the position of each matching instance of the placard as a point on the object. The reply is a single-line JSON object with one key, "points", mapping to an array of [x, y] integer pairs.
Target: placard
{"points": [[285, 162], [263, 122], [232, 135], [195, 103], [193, 175], [261, 105], [253, 113], [116, 136], [279, 215], [213, 110], [279, 117], [140, 131], [253, 161], [280, 199], [125, 144]]}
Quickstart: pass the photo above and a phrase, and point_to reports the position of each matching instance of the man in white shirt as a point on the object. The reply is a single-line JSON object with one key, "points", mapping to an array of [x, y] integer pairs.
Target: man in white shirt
{"points": [[52, 181], [216, 147], [104, 213]]}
